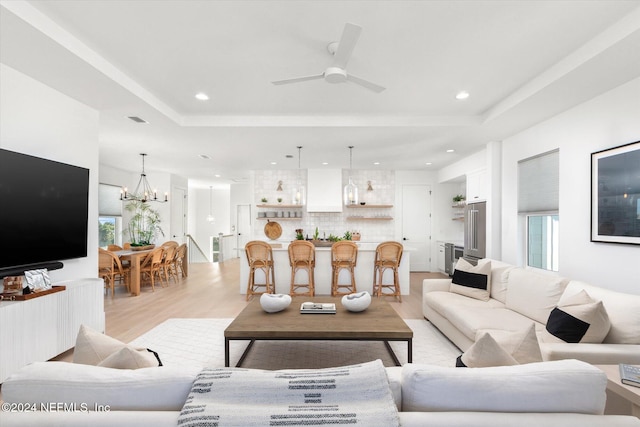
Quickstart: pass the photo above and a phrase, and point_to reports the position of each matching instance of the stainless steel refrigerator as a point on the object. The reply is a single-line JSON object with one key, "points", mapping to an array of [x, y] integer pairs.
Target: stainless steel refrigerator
{"points": [[475, 232]]}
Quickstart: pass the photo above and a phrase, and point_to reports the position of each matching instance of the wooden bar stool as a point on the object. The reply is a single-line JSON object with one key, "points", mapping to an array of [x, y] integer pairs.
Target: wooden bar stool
{"points": [[260, 257], [388, 257], [302, 256], [344, 255]]}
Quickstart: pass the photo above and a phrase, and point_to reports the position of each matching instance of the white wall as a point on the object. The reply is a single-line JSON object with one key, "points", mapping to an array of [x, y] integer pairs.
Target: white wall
{"points": [[607, 121], [39, 121]]}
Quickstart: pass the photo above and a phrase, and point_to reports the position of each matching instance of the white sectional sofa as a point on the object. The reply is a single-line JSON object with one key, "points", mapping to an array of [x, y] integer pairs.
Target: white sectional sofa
{"points": [[520, 297], [561, 393]]}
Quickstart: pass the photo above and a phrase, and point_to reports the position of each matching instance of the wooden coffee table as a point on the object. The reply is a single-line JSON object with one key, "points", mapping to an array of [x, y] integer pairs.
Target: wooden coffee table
{"points": [[379, 322]]}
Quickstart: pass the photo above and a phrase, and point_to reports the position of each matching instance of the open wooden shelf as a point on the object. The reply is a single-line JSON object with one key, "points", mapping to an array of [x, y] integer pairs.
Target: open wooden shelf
{"points": [[280, 205], [369, 218], [367, 206]]}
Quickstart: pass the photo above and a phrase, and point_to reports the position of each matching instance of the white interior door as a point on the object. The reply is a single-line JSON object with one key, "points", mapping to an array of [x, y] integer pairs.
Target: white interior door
{"points": [[416, 225], [178, 214], [243, 232]]}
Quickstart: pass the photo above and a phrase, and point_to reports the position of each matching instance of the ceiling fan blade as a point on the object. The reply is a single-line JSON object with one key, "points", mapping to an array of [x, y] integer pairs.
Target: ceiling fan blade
{"points": [[347, 42], [298, 79], [371, 86]]}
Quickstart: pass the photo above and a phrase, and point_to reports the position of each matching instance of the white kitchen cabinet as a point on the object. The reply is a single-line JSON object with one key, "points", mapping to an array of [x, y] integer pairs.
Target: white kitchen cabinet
{"points": [[477, 186], [441, 257]]}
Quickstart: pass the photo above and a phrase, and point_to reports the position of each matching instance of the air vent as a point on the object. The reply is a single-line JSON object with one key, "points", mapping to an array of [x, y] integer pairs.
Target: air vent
{"points": [[137, 119]]}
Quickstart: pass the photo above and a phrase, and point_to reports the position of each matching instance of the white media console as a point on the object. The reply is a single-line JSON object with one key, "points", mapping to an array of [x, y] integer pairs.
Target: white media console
{"points": [[41, 328]]}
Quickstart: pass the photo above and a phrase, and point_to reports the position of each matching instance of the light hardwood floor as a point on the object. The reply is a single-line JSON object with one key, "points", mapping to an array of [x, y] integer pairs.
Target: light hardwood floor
{"points": [[210, 291]]}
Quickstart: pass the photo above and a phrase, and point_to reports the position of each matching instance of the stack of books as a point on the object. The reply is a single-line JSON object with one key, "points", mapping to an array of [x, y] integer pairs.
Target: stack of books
{"points": [[317, 308], [630, 374]]}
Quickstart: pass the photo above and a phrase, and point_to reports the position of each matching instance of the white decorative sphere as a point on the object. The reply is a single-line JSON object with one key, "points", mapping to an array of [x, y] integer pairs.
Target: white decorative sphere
{"points": [[272, 303], [357, 302]]}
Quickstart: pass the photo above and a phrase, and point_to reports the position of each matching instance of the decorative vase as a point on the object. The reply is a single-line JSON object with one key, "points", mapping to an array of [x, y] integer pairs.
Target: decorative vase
{"points": [[359, 301], [272, 303]]}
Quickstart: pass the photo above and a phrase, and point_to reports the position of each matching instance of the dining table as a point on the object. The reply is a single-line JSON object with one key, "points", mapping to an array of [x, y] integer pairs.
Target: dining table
{"points": [[134, 258]]}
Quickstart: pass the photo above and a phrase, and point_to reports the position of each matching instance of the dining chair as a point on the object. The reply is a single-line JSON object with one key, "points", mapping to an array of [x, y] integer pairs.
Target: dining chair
{"points": [[344, 256], [302, 257], [106, 269], [260, 257], [168, 258], [387, 258], [114, 248], [151, 266], [170, 243], [179, 259]]}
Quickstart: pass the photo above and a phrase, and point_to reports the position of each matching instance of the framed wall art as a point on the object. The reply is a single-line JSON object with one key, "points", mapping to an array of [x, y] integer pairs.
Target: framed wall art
{"points": [[615, 195]]}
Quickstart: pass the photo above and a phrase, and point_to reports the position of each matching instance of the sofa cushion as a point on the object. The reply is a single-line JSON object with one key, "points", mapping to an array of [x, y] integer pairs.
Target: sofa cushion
{"points": [[499, 279], [469, 320], [579, 319], [534, 294], [559, 386], [472, 281], [483, 353], [623, 310], [522, 345], [152, 389], [443, 301]]}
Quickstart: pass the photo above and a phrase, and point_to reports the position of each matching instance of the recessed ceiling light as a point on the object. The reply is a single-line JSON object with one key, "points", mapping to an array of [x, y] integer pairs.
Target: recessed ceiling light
{"points": [[202, 96], [376, 163], [462, 94], [217, 175], [451, 150], [428, 163], [274, 163], [325, 163]]}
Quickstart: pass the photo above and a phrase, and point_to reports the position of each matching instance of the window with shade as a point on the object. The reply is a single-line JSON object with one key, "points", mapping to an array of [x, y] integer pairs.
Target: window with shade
{"points": [[109, 215], [538, 203]]}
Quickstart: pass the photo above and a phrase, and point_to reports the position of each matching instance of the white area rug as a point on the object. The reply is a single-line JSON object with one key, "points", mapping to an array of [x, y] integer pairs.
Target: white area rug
{"points": [[200, 342]]}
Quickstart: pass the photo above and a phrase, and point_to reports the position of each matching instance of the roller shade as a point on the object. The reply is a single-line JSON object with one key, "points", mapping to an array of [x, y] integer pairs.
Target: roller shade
{"points": [[109, 203], [538, 183]]}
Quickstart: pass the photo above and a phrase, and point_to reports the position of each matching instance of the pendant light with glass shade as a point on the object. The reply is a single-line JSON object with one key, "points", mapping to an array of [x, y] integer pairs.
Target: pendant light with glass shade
{"points": [[210, 217], [298, 195], [350, 190]]}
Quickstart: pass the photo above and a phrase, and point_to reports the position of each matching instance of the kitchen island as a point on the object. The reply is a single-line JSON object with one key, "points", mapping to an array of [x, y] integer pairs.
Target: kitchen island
{"points": [[363, 270]]}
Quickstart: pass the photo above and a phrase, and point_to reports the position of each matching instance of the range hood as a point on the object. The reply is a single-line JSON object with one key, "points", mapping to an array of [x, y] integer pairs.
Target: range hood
{"points": [[324, 193]]}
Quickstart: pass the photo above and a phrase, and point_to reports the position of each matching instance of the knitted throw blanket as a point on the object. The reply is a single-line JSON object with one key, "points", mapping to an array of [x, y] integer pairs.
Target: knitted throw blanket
{"points": [[356, 394]]}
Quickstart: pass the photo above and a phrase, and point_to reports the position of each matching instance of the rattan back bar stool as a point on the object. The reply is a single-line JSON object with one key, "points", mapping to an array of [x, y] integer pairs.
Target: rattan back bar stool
{"points": [[344, 256], [260, 257], [302, 257], [388, 257]]}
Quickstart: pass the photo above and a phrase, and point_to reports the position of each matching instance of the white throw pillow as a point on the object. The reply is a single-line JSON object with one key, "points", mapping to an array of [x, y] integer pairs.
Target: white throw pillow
{"points": [[578, 319], [522, 345], [130, 358], [483, 353], [92, 347], [472, 281]]}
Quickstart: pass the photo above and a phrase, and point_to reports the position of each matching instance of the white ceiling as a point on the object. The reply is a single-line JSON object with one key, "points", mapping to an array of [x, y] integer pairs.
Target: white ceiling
{"points": [[521, 61]]}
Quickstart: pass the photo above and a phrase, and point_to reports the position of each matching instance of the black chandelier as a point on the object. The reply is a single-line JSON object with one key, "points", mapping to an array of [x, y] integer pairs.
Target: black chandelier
{"points": [[143, 192]]}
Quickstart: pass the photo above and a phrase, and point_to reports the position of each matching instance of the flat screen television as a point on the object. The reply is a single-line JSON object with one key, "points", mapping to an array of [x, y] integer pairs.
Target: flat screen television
{"points": [[43, 211]]}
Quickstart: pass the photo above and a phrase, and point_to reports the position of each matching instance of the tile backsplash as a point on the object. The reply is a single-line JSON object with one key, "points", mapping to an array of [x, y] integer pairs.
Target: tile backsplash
{"points": [[336, 223]]}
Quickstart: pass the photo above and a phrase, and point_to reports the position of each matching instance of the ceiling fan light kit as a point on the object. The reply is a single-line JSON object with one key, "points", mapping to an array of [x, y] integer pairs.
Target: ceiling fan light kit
{"points": [[337, 73]]}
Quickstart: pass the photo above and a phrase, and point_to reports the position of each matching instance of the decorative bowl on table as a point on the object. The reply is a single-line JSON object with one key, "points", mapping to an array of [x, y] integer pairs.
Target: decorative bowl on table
{"points": [[142, 248], [358, 301], [272, 303]]}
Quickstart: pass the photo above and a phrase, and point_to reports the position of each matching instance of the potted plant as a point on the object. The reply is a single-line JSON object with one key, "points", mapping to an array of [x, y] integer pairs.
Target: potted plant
{"points": [[279, 199], [264, 200], [144, 225], [459, 199]]}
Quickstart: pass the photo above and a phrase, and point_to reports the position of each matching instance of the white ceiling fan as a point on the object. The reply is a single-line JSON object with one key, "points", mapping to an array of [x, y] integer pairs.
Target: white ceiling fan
{"points": [[337, 73]]}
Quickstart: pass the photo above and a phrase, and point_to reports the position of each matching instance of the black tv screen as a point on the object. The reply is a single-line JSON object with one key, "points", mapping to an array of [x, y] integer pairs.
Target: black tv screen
{"points": [[43, 210]]}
